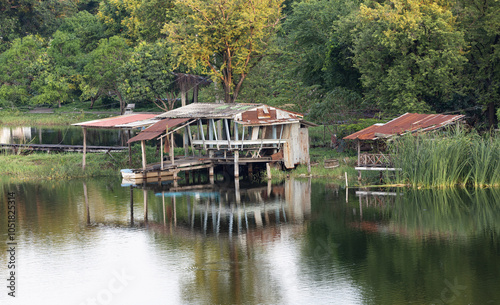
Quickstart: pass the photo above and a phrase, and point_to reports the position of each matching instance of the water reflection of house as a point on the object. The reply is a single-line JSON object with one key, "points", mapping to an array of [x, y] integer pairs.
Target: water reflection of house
{"points": [[260, 209]]}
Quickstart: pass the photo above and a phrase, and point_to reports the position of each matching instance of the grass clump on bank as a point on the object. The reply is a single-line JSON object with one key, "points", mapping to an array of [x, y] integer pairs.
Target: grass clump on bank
{"points": [[447, 159]]}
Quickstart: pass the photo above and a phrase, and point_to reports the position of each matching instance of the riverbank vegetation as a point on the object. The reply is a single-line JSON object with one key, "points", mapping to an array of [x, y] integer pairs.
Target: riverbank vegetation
{"points": [[447, 159], [63, 166]]}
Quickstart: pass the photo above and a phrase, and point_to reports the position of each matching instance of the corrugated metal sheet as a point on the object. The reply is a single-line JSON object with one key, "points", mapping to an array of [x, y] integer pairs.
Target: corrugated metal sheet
{"points": [[208, 111], [261, 122], [408, 122], [115, 122], [157, 129]]}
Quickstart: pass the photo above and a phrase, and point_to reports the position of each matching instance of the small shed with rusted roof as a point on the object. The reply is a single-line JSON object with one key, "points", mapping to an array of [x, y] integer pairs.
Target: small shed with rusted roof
{"points": [[407, 123]]}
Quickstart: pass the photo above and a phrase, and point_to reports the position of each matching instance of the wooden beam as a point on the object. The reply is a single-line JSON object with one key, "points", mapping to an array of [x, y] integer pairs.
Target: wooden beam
{"points": [[84, 147], [172, 148], [143, 153], [202, 133], [161, 152], [190, 138], [129, 149], [228, 134]]}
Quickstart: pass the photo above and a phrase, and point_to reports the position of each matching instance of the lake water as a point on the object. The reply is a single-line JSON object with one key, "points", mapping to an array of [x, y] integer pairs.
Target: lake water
{"points": [[66, 135], [300, 242]]}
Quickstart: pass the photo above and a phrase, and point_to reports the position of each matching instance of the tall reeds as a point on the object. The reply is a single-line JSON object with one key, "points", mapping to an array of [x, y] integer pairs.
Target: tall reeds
{"points": [[447, 159]]}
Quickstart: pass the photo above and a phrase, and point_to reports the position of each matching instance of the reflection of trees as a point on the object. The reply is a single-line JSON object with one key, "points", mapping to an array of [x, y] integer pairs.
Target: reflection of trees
{"points": [[408, 251]]}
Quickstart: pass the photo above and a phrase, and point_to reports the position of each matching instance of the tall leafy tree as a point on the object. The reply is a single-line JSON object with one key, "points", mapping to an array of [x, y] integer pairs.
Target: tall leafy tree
{"points": [[409, 53], [480, 22], [227, 37], [149, 75], [103, 72], [17, 71], [85, 27], [312, 39]]}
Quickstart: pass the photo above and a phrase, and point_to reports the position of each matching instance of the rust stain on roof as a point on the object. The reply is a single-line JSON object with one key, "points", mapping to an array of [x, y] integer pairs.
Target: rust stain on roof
{"points": [[113, 122], [408, 122], [157, 129]]}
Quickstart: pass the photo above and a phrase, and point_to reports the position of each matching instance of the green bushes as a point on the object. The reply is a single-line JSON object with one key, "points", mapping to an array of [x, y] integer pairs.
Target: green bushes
{"points": [[447, 159]]}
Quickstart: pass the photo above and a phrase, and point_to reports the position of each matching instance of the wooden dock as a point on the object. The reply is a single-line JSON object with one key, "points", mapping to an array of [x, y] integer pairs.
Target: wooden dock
{"points": [[62, 148]]}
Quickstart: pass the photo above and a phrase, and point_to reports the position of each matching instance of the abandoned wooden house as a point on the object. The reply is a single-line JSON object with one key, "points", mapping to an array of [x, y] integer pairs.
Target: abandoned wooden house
{"points": [[371, 140], [229, 135]]}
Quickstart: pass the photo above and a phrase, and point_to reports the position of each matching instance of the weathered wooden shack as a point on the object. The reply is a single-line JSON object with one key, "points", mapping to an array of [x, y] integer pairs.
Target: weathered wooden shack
{"points": [[227, 134]]}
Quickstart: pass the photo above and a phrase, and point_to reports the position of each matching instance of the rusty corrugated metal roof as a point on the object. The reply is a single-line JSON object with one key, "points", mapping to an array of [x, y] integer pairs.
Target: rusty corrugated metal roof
{"points": [[114, 122], [205, 110], [408, 122], [157, 129]]}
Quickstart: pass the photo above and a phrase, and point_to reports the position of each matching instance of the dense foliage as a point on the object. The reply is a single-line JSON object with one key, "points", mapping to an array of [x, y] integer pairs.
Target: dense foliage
{"points": [[339, 60]]}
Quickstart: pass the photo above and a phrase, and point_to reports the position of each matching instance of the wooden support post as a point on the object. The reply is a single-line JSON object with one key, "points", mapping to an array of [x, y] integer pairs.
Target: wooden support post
{"points": [[161, 153], [211, 174], [176, 183], [359, 158], [228, 134], [268, 169], [190, 138], [236, 165], [84, 147], [172, 148], [185, 141], [236, 136], [200, 128], [129, 150], [219, 134], [250, 169], [143, 152]]}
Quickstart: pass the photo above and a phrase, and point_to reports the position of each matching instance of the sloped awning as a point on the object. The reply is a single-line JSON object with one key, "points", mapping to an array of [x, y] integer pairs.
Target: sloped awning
{"points": [[408, 122], [123, 121], [155, 130]]}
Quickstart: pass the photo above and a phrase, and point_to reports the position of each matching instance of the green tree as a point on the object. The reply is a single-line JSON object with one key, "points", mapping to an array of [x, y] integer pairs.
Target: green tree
{"points": [[149, 75], [409, 53], [135, 20], [17, 71], [480, 21], [103, 72], [312, 40], [227, 37], [59, 70], [86, 27]]}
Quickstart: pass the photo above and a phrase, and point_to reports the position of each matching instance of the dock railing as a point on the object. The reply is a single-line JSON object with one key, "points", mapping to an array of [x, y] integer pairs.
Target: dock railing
{"points": [[375, 160]]}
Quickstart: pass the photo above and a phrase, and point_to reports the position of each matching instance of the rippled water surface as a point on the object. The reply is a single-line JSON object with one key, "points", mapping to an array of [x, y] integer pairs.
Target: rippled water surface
{"points": [[300, 242]]}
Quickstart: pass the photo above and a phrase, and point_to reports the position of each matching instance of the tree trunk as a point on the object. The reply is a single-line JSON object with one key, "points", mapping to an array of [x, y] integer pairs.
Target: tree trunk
{"points": [[122, 102], [491, 114]]}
